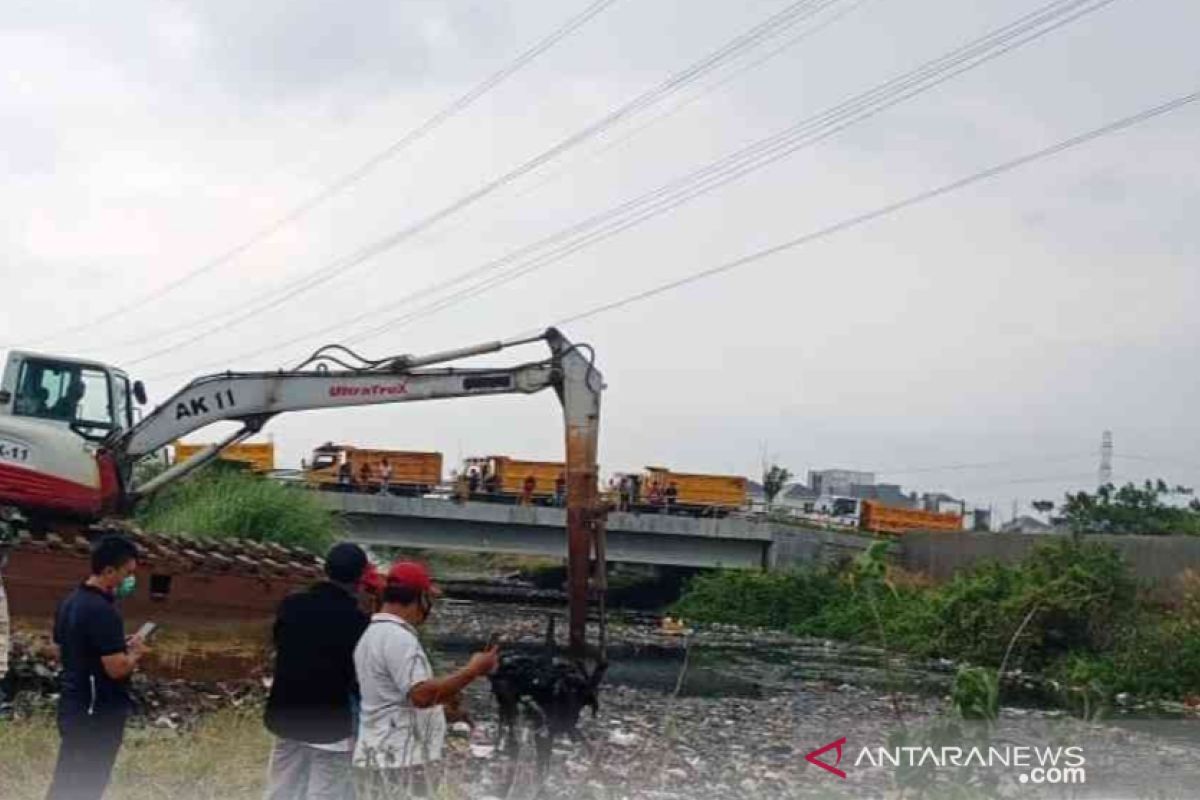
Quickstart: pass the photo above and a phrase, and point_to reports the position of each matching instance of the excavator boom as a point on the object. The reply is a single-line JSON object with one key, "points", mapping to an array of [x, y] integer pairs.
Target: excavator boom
{"points": [[68, 442]]}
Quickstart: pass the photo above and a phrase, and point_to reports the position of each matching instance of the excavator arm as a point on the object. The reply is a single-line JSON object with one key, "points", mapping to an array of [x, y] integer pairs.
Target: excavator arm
{"points": [[252, 398]]}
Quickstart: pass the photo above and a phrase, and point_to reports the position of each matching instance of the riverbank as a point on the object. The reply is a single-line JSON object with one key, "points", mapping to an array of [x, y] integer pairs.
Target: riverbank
{"points": [[721, 712], [650, 745]]}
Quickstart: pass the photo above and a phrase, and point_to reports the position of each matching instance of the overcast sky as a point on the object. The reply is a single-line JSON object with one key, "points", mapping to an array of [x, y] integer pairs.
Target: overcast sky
{"points": [[1010, 322]]}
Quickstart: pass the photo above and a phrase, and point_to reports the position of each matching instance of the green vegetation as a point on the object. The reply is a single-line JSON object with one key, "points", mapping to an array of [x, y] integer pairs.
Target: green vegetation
{"points": [[233, 503], [774, 478], [1134, 510], [1070, 611]]}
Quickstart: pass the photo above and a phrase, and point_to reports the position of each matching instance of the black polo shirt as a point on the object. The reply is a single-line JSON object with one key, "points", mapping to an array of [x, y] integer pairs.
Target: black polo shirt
{"points": [[88, 627]]}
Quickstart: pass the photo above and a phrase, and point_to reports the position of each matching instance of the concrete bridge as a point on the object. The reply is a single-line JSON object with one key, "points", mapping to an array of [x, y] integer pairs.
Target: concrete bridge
{"points": [[535, 530], [661, 539], [729, 542]]}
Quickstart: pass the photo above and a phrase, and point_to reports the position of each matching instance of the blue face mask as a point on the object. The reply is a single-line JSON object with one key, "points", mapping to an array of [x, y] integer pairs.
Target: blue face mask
{"points": [[126, 587]]}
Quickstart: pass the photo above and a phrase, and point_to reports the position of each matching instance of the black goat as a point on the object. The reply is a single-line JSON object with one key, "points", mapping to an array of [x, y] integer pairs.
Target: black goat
{"points": [[552, 691]]}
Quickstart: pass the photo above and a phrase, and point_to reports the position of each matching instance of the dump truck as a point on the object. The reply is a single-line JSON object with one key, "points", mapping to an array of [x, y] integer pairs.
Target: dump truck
{"points": [[347, 468], [258, 457], [695, 494], [879, 518], [502, 478]]}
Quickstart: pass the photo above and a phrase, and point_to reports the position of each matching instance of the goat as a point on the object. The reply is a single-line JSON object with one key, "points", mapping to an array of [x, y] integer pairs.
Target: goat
{"points": [[553, 693]]}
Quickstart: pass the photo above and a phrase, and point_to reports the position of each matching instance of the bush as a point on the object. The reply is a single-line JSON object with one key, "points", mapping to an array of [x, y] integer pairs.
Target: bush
{"points": [[1077, 610], [773, 600], [232, 503]]}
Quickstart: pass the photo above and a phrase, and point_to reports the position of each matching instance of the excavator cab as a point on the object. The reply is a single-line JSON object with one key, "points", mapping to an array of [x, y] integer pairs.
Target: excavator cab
{"points": [[89, 398], [56, 416]]}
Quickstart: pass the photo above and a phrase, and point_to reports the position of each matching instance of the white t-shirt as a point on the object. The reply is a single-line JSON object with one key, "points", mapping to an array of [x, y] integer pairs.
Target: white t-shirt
{"points": [[392, 732]]}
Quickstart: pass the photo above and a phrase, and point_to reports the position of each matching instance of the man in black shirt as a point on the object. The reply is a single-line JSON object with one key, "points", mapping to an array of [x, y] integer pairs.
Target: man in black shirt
{"points": [[97, 661], [310, 706]]}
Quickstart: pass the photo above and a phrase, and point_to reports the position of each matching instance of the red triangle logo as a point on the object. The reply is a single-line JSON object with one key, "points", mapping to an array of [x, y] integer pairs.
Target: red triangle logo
{"points": [[812, 757]]}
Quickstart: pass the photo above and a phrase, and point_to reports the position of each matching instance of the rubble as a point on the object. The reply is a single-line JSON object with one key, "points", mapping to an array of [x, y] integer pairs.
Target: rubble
{"points": [[651, 743]]}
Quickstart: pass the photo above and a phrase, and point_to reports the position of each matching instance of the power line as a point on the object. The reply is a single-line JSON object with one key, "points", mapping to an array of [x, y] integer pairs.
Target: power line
{"points": [[983, 465], [755, 156], [764, 31], [891, 208], [808, 131], [354, 176], [1159, 460], [703, 92]]}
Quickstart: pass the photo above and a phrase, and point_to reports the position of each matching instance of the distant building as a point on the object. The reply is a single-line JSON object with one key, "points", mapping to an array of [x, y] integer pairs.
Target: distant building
{"points": [[941, 503], [1026, 524], [827, 482], [889, 494]]}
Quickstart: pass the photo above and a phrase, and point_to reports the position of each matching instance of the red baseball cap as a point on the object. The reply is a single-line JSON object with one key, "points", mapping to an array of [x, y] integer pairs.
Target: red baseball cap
{"points": [[414, 575], [372, 580]]}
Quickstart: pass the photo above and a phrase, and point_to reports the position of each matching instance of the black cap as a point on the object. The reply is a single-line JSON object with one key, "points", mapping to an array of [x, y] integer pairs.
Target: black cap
{"points": [[345, 562]]}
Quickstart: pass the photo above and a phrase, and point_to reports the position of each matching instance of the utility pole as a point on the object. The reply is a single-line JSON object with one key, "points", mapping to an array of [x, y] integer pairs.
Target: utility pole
{"points": [[1106, 454]]}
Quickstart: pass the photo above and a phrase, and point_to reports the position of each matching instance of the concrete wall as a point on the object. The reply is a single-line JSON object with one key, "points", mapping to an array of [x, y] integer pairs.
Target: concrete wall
{"points": [[1155, 559], [795, 547]]}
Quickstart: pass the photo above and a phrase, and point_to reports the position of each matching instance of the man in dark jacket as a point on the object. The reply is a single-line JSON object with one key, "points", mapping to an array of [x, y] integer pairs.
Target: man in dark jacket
{"points": [[310, 706]]}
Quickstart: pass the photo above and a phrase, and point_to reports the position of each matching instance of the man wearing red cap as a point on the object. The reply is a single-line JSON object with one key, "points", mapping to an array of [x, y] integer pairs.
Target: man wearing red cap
{"points": [[402, 725]]}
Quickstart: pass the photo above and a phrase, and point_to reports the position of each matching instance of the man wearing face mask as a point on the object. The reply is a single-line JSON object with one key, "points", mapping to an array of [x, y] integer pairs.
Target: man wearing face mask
{"points": [[403, 727], [97, 661]]}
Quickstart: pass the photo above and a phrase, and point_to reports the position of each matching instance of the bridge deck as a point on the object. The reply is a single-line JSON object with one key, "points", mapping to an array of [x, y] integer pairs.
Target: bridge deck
{"points": [[536, 530]]}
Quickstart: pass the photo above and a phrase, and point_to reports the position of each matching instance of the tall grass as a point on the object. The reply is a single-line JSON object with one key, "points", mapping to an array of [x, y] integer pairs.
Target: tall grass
{"points": [[231, 503], [224, 758]]}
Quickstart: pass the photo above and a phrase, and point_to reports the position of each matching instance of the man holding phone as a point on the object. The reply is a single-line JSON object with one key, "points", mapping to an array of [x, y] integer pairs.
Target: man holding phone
{"points": [[97, 662]]}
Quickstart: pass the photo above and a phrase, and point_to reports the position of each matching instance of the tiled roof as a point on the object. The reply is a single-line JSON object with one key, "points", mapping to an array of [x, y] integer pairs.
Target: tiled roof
{"points": [[196, 554]]}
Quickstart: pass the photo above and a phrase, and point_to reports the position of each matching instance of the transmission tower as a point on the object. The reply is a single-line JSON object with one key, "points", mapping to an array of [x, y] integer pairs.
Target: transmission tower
{"points": [[1106, 450]]}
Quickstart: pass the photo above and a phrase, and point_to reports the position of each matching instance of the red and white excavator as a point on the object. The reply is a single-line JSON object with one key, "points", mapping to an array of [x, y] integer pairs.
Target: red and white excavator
{"points": [[69, 440]]}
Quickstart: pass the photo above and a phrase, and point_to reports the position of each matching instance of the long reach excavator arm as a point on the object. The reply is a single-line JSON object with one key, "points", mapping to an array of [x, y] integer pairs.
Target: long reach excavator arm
{"points": [[68, 442]]}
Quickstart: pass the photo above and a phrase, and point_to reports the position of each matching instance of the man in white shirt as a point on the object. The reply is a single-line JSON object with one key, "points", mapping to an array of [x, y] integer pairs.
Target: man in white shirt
{"points": [[402, 726]]}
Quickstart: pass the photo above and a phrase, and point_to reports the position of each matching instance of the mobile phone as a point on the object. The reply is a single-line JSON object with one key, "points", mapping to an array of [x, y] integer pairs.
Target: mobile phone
{"points": [[146, 631], [493, 640]]}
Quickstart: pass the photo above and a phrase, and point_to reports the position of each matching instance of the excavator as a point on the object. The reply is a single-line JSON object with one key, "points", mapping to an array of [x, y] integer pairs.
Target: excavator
{"points": [[72, 430]]}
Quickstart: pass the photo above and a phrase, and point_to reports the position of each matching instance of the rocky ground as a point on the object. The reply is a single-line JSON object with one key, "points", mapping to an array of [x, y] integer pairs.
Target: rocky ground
{"points": [[682, 736]]}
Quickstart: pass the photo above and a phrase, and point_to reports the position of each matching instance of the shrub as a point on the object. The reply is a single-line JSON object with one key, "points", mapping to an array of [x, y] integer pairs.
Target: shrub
{"points": [[231, 503], [1069, 609]]}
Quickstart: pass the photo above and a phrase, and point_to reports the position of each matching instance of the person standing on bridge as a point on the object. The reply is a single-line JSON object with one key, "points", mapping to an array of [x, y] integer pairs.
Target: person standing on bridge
{"points": [[385, 476], [560, 490], [309, 709], [527, 490]]}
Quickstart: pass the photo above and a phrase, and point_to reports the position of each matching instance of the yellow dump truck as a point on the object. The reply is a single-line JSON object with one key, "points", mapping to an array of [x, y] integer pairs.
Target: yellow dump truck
{"points": [[660, 489], [879, 518], [346, 468], [502, 478], [258, 457]]}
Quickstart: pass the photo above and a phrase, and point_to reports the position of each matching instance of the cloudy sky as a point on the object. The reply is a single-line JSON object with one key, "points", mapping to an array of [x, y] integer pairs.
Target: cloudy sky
{"points": [[979, 343]]}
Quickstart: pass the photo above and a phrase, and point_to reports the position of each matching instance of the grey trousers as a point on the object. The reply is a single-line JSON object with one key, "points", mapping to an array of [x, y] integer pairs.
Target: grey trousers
{"points": [[300, 771]]}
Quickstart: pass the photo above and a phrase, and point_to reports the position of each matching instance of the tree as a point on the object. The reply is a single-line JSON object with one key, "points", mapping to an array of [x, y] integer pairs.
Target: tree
{"points": [[1131, 509], [774, 479]]}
